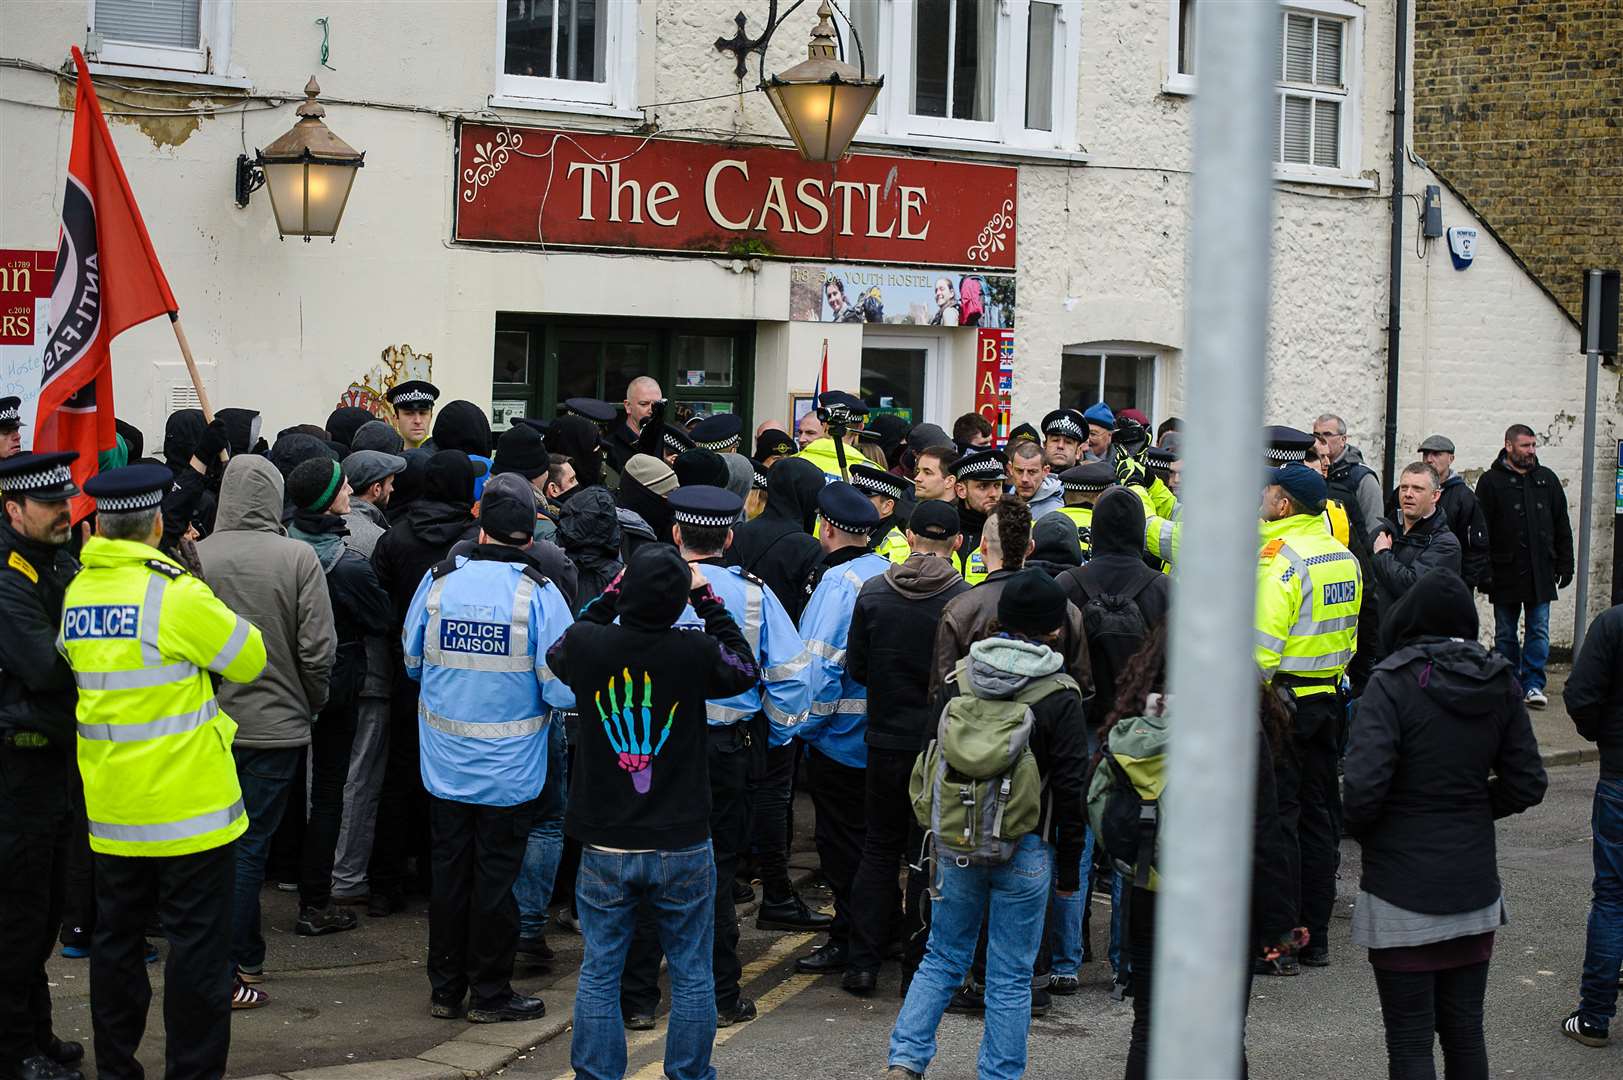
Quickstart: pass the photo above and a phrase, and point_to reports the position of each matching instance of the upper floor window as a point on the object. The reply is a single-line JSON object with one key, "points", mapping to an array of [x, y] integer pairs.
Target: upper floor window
{"points": [[570, 52], [995, 71], [179, 35]]}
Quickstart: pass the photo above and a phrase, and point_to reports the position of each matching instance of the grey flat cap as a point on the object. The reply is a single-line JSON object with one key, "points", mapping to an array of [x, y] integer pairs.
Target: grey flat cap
{"points": [[363, 468], [1440, 443]]}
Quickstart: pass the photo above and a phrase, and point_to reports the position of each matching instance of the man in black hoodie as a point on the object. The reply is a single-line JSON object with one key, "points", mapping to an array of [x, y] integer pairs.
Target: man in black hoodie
{"points": [[421, 537], [887, 652], [778, 547], [641, 803]]}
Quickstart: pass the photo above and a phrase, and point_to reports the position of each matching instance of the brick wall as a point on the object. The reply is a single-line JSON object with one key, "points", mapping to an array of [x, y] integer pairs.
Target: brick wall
{"points": [[1518, 105]]}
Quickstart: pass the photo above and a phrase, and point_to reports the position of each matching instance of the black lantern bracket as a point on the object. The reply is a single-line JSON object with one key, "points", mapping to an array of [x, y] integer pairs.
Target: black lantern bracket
{"points": [[250, 178], [741, 44]]}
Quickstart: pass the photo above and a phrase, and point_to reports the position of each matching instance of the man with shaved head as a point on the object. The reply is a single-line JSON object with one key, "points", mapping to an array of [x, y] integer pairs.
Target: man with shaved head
{"points": [[642, 394]]}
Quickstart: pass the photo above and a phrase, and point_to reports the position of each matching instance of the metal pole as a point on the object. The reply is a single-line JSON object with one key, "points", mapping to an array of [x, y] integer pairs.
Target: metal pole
{"points": [[1394, 273], [1205, 887], [1580, 617]]}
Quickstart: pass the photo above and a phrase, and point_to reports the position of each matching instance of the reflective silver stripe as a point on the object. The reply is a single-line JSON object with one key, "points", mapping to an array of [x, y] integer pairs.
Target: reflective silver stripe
{"points": [[841, 705], [1166, 534], [752, 617], [151, 614], [545, 674], [173, 830], [442, 658], [1307, 627], [1316, 663], [854, 578], [413, 662], [778, 716], [717, 713], [518, 642], [521, 616], [151, 729], [1298, 569], [788, 669], [826, 651], [507, 730], [233, 646], [1268, 641], [137, 679]]}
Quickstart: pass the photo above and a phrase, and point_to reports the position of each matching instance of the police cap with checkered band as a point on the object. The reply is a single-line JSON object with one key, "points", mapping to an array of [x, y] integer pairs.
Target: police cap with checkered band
{"points": [[134, 487], [44, 477], [705, 506], [413, 394]]}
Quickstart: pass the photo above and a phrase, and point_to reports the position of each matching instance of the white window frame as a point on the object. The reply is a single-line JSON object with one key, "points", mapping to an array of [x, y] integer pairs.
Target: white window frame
{"points": [[615, 96], [211, 57], [1347, 174], [1101, 350], [937, 362], [894, 123]]}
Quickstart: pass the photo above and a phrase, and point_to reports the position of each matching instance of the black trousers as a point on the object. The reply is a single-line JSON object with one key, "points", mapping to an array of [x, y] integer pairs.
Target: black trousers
{"points": [[472, 916], [892, 836], [35, 822], [403, 815], [839, 795], [729, 830], [772, 817], [79, 899], [1414, 1004], [1318, 810], [332, 737], [194, 895]]}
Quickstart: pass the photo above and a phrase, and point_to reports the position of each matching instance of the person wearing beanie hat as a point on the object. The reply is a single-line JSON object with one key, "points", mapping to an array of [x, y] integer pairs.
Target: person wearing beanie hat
{"points": [[835, 732], [1310, 590], [1055, 547], [521, 450], [1020, 662], [463, 426], [320, 493], [700, 466], [377, 435], [578, 439], [772, 444], [344, 422], [475, 637], [643, 487], [1101, 423], [640, 785]]}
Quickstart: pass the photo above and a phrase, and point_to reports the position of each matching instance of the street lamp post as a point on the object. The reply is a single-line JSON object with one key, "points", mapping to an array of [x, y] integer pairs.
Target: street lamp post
{"points": [[309, 171]]}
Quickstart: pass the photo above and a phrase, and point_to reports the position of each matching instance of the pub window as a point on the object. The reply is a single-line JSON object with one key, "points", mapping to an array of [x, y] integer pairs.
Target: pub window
{"points": [[567, 53], [177, 35], [993, 71], [1120, 378]]}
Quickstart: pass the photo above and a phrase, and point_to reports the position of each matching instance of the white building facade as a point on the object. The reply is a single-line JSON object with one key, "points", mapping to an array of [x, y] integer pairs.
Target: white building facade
{"points": [[488, 245]]}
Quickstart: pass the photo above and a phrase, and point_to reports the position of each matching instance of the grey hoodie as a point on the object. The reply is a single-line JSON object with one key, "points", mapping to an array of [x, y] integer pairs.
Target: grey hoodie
{"points": [[276, 583]]}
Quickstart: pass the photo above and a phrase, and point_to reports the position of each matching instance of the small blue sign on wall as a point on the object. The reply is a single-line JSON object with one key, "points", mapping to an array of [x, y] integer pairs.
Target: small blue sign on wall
{"points": [[1461, 245]]}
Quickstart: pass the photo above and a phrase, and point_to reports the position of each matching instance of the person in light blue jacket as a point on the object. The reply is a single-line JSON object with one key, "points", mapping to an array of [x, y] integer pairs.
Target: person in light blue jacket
{"points": [[476, 636], [703, 517], [836, 728]]}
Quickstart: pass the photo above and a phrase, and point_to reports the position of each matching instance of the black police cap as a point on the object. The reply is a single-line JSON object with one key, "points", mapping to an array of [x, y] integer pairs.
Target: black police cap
{"points": [[413, 394], [704, 505], [134, 487], [44, 477], [846, 508]]}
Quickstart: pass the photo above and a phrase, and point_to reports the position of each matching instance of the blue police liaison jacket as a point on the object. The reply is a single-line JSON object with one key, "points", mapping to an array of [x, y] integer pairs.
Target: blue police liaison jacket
{"points": [[476, 637], [778, 651], [838, 721]]}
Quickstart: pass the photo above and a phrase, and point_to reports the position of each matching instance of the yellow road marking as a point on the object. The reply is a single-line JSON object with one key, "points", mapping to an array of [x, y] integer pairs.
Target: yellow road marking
{"points": [[752, 970], [767, 1002]]}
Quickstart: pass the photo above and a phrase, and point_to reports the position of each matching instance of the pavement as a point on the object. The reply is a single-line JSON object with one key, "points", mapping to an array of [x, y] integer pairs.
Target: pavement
{"points": [[354, 1006]]}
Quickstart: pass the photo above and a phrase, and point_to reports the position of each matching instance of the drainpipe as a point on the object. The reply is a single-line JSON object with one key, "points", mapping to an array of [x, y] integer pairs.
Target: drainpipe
{"points": [[1400, 112]]}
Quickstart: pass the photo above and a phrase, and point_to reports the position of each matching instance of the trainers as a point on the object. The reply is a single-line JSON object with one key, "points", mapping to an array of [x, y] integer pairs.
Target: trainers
{"points": [[742, 1013], [902, 1072], [151, 956], [314, 921], [1536, 699], [76, 943], [639, 1022], [568, 920], [1577, 1029], [969, 1000], [1063, 985], [1284, 965], [287, 886], [512, 1007], [244, 996]]}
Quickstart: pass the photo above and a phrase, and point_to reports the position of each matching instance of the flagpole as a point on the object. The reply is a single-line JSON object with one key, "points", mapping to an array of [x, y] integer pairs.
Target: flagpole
{"points": [[191, 367]]}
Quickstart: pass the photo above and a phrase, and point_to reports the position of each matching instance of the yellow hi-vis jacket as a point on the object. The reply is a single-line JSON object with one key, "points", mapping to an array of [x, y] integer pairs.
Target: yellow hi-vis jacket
{"points": [[824, 454], [1309, 589], [894, 546], [1082, 518], [1162, 535], [1335, 519], [142, 635]]}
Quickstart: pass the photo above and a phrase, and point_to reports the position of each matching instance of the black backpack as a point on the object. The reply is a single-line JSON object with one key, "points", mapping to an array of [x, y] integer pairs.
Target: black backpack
{"points": [[1116, 629]]}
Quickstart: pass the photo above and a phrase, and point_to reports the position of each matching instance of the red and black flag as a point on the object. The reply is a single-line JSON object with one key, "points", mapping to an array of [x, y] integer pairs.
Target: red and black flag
{"points": [[107, 280]]}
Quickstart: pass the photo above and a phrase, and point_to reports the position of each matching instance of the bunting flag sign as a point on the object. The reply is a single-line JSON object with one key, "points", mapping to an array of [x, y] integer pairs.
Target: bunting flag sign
{"points": [[107, 280]]}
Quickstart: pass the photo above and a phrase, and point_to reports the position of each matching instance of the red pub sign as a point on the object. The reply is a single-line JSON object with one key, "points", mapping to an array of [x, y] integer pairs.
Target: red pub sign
{"points": [[567, 189]]}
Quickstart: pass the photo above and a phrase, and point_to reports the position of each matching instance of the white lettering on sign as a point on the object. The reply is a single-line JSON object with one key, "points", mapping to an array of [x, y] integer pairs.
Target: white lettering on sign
{"points": [[913, 201], [809, 193], [465, 635], [101, 621], [658, 195], [710, 193]]}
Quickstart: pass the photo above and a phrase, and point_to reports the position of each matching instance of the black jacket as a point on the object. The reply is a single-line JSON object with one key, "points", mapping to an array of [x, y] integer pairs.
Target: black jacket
{"points": [[658, 799], [589, 533], [1594, 691], [360, 607], [548, 557], [1529, 534], [1124, 575], [1459, 507], [37, 691], [620, 446], [1429, 545], [891, 638], [778, 546], [1441, 747], [421, 537]]}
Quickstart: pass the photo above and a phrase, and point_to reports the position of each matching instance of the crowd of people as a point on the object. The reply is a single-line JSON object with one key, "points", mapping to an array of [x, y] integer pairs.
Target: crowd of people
{"points": [[575, 672]]}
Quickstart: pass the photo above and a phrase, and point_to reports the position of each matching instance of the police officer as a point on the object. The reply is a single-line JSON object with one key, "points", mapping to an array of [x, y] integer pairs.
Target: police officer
{"points": [[741, 727], [476, 636], [36, 743], [413, 404], [11, 439], [673, 442], [981, 476], [885, 490], [144, 639], [720, 433], [1309, 588], [835, 731], [1083, 484]]}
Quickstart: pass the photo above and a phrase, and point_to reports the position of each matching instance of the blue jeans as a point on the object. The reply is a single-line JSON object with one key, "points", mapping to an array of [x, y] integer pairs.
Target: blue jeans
{"points": [[1068, 911], [1603, 954], [1018, 895], [545, 848], [1529, 660], [680, 886], [265, 776]]}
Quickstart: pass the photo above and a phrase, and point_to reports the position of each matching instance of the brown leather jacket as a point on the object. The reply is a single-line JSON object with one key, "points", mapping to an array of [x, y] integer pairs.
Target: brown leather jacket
{"points": [[968, 618]]}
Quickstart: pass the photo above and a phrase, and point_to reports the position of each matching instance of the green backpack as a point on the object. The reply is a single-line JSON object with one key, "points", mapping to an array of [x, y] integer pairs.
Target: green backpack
{"points": [[1126, 793], [976, 789]]}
